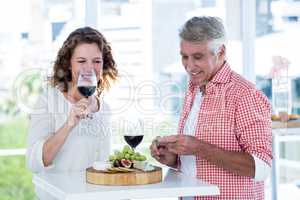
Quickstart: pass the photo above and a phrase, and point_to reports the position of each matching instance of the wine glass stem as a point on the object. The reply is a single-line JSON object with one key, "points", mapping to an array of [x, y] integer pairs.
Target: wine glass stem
{"points": [[90, 116]]}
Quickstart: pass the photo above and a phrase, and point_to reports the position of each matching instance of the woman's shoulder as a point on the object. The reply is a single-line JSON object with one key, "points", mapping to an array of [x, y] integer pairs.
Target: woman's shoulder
{"points": [[51, 92], [50, 97]]}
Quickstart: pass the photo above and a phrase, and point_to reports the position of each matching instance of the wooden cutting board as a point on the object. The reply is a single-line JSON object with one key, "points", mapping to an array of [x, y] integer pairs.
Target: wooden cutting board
{"points": [[137, 177]]}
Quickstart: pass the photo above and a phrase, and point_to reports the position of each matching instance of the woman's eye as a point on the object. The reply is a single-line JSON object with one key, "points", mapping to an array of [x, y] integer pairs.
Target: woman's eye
{"points": [[98, 61], [81, 61]]}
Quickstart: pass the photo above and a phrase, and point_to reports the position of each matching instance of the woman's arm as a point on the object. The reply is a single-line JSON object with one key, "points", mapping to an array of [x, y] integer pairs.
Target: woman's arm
{"points": [[54, 143]]}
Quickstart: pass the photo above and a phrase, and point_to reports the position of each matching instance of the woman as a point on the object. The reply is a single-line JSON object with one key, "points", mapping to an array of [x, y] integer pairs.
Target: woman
{"points": [[61, 135]]}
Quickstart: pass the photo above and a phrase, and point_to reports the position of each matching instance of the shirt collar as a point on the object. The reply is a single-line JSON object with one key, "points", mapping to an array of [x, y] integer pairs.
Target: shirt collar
{"points": [[222, 76]]}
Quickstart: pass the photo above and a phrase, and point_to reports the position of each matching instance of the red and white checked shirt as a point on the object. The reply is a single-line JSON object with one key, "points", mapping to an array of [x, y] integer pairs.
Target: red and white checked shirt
{"points": [[236, 117]]}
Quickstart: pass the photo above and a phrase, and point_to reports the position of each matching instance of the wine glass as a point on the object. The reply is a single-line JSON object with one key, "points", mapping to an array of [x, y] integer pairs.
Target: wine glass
{"points": [[134, 135], [87, 84]]}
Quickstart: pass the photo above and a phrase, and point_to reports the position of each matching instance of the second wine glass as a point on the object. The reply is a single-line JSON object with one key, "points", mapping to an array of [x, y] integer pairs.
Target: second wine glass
{"points": [[134, 134], [133, 140]]}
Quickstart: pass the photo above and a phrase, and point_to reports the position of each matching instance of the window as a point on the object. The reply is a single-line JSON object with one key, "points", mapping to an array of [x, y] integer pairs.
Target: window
{"points": [[277, 70], [29, 36]]}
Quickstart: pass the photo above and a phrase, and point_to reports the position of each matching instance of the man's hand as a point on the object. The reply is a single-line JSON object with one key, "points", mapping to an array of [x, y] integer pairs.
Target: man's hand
{"points": [[162, 154], [180, 144], [240, 163]]}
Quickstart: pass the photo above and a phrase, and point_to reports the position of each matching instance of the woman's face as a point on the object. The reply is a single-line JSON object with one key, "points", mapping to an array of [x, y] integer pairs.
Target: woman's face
{"points": [[86, 57]]}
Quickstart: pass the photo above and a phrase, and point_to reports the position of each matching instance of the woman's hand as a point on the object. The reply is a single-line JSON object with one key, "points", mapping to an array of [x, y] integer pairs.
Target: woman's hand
{"points": [[94, 104], [79, 111]]}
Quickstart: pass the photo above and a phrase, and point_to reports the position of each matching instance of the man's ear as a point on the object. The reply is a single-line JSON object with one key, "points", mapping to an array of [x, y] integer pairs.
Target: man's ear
{"points": [[222, 51], [221, 54]]}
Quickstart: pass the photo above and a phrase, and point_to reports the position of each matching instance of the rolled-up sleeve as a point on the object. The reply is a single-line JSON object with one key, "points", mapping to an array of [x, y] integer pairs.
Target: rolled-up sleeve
{"points": [[40, 129], [253, 123]]}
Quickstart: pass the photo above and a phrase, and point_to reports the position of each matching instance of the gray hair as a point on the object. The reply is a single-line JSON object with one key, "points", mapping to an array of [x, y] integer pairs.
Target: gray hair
{"points": [[201, 29]]}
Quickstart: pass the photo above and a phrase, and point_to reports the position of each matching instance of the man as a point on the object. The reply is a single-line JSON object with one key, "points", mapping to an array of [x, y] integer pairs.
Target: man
{"points": [[224, 134]]}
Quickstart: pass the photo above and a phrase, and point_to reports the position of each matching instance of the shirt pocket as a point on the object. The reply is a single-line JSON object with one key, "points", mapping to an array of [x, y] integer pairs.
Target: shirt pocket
{"points": [[216, 125]]}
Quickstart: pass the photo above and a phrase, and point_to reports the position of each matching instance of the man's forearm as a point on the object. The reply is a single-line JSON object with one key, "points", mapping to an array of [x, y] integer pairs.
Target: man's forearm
{"points": [[240, 163]]}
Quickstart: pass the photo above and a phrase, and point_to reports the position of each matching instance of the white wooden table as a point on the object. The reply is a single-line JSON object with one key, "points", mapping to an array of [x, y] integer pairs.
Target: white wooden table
{"points": [[72, 186]]}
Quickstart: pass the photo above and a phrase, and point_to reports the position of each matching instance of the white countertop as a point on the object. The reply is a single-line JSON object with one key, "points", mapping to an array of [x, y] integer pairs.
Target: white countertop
{"points": [[73, 186]]}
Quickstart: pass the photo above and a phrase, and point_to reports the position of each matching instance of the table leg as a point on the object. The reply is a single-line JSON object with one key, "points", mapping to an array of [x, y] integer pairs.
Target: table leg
{"points": [[275, 168]]}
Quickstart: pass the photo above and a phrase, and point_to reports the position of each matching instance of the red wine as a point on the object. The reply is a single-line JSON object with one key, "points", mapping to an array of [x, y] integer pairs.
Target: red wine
{"points": [[133, 140], [86, 90]]}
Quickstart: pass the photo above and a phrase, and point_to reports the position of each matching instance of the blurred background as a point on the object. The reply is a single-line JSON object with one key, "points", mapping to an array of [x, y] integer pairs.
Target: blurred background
{"points": [[263, 43]]}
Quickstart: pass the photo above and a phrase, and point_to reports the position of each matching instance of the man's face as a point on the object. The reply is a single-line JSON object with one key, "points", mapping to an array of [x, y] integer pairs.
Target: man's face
{"points": [[199, 61]]}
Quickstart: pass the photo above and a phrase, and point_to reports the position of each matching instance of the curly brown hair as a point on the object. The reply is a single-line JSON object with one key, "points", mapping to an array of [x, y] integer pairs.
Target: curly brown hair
{"points": [[62, 66]]}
